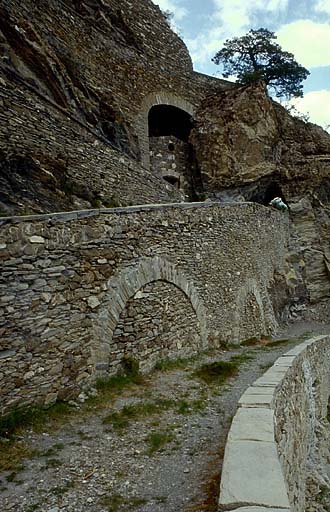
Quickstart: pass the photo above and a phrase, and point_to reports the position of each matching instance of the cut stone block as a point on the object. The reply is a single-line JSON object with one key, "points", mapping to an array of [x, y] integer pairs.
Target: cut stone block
{"points": [[257, 399], [252, 424], [252, 475], [261, 509]]}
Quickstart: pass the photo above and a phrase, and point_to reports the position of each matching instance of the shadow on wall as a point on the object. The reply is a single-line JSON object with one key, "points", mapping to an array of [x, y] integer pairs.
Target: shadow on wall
{"points": [[253, 313]]}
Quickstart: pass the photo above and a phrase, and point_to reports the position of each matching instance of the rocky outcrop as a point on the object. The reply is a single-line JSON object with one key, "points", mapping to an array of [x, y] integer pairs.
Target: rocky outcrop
{"points": [[249, 147], [243, 137]]}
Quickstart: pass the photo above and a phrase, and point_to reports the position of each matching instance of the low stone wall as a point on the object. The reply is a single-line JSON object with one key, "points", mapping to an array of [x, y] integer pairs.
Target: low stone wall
{"points": [[273, 435], [81, 290]]}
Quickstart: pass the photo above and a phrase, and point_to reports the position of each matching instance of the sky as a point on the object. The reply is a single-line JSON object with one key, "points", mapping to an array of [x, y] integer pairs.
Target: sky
{"points": [[302, 28]]}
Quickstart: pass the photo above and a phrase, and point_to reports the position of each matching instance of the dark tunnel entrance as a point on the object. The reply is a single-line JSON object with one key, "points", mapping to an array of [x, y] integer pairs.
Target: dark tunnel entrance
{"points": [[273, 190], [166, 121], [264, 191], [172, 156]]}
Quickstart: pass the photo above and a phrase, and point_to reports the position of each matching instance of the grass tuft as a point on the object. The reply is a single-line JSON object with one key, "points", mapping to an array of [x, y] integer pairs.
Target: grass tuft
{"points": [[129, 376], [157, 440], [35, 417], [219, 371], [119, 503], [12, 454], [172, 364], [120, 419]]}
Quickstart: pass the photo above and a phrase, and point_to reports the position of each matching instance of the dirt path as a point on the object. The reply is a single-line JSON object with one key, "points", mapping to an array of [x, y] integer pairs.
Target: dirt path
{"points": [[157, 447]]}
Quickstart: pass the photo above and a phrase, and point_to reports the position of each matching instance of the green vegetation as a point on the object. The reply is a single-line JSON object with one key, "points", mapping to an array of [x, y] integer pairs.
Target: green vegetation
{"points": [[111, 202], [172, 364], [250, 342], [134, 412], [33, 507], [188, 407], [35, 417], [53, 463], [118, 503], [52, 450], [129, 375], [157, 440], [60, 490], [277, 343], [13, 453], [219, 372], [257, 57]]}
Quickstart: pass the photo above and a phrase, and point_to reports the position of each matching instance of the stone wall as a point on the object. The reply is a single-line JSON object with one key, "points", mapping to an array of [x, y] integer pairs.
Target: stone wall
{"points": [[55, 163], [71, 287], [169, 159], [272, 446], [76, 86], [157, 322]]}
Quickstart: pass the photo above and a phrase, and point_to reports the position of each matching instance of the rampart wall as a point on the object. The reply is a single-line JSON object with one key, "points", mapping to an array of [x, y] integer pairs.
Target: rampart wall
{"points": [[272, 445], [76, 85], [81, 290], [58, 157]]}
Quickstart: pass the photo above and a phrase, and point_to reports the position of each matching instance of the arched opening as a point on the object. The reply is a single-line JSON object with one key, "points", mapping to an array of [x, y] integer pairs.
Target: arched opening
{"points": [[129, 287], [167, 121], [264, 191], [273, 190], [158, 322], [171, 154]]}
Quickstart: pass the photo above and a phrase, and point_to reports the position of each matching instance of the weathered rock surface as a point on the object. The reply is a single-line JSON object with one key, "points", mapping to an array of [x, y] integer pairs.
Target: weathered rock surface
{"points": [[243, 137], [249, 147]]}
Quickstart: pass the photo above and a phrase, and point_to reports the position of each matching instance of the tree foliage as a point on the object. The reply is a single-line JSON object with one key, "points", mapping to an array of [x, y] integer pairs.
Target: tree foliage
{"points": [[256, 56]]}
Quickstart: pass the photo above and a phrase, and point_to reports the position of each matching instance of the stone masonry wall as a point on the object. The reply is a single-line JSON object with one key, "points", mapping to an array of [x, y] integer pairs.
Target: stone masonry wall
{"points": [[157, 322], [169, 159], [67, 160], [280, 434], [67, 278], [301, 407], [77, 81]]}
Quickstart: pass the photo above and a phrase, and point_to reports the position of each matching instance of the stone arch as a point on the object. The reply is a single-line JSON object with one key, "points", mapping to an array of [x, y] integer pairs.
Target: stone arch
{"points": [[250, 288], [122, 288], [159, 98]]}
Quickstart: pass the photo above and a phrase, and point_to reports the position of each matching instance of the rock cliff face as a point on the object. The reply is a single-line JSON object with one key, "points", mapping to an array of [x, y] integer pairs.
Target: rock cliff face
{"points": [[78, 81], [73, 76], [249, 148]]}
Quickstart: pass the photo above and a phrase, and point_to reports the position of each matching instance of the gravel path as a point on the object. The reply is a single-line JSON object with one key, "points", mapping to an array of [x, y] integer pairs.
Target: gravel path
{"points": [[164, 460]]}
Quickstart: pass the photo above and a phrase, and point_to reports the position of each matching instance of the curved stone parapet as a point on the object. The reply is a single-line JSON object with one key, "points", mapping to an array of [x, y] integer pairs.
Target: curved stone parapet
{"points": [[272, 436]]}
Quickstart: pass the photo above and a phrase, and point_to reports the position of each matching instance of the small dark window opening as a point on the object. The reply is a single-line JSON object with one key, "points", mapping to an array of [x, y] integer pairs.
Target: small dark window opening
{"points": [[173, 180], [171, 146]]}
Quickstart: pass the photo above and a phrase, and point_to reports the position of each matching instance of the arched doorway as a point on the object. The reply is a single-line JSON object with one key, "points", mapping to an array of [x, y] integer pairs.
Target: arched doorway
{"points": [[253, 315], [169, 148], [142, 308], [163, 128]]}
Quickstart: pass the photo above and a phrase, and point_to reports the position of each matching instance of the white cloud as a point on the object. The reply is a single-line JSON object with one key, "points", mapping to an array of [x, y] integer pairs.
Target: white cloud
{"points": [[230, 18], [323, 6], [316, 105], [308, 41], [172, 6], [235, 15]]}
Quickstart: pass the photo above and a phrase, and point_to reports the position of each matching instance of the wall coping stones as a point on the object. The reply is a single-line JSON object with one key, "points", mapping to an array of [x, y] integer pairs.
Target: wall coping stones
{"points": [[261, 509], [80, 214], [252, 476]]}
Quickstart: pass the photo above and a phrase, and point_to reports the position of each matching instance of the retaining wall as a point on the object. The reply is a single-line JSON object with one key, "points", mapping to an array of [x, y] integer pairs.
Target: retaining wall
{"points": [[273, 434], [80, 290]]}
